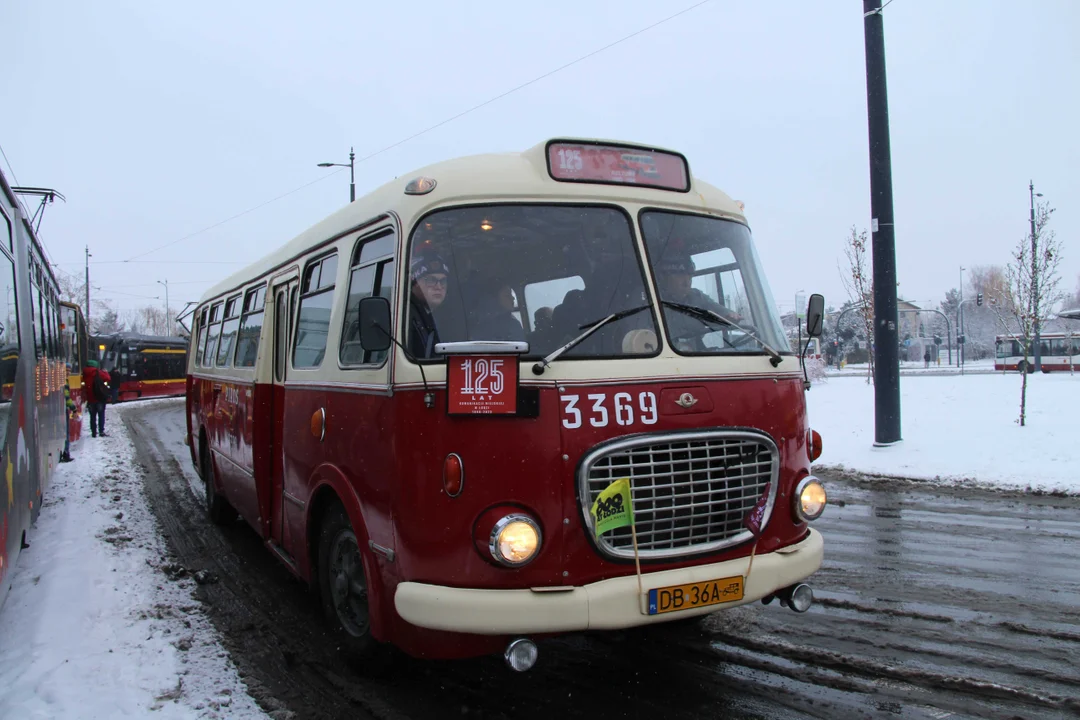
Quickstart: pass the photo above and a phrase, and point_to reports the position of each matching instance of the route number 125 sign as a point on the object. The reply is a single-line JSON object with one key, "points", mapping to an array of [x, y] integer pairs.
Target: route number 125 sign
{"points": [[482, 385]]}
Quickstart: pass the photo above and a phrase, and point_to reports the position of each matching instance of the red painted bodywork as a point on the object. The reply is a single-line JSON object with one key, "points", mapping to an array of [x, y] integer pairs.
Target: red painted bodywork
{"points": [[140, 389], [383, 457]]}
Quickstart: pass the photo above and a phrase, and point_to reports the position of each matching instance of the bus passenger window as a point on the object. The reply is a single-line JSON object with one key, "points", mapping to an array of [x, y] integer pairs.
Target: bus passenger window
{"points": [[313, 323], [247, 343], [228, 332], [372, 274], [210, 351], [200, 342]]}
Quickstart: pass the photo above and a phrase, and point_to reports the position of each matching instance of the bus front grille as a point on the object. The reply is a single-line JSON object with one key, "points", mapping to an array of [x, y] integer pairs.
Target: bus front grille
{"points": [[691, 491]]}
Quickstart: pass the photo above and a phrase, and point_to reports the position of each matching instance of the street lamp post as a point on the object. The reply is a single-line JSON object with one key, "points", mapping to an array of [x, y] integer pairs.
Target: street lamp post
{"points": [[352, 175], [960, 321], [1035, 273], [168, 323]]}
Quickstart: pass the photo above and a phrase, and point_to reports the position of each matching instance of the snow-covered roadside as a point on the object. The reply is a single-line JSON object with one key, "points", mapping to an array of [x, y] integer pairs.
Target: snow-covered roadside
{"points": [[958, 430], [97, 623]]}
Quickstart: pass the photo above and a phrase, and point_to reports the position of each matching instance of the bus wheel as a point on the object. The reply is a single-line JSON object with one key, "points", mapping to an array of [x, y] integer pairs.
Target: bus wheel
{"points": [[218, 508], [343, 585], [1021, 367]]}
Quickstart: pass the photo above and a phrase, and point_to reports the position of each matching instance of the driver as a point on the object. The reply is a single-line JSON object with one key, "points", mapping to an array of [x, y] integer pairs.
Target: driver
{"points": [[674, 274], [430, 277]]}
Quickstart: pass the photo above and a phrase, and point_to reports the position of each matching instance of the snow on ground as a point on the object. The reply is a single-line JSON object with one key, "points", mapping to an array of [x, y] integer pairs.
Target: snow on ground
{"points": [[96, 624], [958, 430]]}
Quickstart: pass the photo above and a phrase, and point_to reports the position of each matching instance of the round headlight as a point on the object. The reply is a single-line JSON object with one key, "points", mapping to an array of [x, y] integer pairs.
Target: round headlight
{"points": [[515, 540], [810, 499]]}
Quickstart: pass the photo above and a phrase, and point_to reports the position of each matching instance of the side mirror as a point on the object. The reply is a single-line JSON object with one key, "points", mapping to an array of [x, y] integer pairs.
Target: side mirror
{"points": [[374, 321], [815, 315]]}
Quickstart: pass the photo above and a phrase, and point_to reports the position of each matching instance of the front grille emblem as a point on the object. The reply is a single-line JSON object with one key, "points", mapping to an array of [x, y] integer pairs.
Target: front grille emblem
{"points": [[686, 400]]}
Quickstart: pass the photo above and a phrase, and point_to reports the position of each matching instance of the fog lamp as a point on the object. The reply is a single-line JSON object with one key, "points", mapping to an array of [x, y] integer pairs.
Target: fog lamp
{"points": [[802, 597], [810, 499], [521, 654], [515, 540]]}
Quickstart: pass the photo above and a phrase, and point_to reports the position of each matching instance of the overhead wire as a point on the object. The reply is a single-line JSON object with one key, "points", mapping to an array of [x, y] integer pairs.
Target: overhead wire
{"points": [[432, 127]]}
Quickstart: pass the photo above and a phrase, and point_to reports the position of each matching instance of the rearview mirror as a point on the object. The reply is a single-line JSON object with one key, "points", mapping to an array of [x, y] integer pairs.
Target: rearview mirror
{"points": [[374, 315], [815, 315]]}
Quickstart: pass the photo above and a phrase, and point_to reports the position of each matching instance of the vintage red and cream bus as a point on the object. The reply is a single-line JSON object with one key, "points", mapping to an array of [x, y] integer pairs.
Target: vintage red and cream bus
{"points": [[422, 405]]}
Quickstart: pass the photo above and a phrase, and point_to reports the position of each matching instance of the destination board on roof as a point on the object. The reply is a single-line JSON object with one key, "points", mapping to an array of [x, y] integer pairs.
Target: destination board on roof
{"points": [[613, 164]]}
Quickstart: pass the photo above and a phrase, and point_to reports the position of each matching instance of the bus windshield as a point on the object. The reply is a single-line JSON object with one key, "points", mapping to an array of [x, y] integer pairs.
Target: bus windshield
{"points": [[703, 263], [533, 273]]}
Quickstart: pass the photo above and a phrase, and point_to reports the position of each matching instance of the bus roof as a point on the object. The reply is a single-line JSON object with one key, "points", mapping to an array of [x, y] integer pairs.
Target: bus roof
{"points": [[482, 178]]}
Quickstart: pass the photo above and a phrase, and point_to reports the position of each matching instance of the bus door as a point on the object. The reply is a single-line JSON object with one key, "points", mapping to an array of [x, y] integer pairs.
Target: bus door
{"points": [[284, 299]]}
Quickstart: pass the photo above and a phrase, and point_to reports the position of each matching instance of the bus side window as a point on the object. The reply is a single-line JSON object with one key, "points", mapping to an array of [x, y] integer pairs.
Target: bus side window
{"points": [[247, 343], [372, 274], [313, 323], [200, 342]]}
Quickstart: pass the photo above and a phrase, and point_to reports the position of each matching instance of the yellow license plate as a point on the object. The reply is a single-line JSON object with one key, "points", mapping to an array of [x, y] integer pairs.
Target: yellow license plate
{"points": [[695, 595]]}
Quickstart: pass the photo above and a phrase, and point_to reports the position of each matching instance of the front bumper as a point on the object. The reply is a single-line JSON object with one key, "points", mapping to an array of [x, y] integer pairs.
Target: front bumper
{"points": [[605, 605]]}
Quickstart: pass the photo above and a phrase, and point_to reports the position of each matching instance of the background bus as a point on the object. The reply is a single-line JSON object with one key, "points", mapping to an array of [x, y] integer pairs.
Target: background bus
{"points": [[143, 366], [33, 373], [1060, 351]]}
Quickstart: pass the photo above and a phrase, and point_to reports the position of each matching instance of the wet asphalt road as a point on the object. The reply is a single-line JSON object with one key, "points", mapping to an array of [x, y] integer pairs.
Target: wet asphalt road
{"points": [[931, 604]]}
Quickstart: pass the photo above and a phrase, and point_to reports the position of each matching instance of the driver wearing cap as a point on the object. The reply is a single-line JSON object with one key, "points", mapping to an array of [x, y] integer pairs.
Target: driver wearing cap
{"points": [[674, 274], [430, 277]]}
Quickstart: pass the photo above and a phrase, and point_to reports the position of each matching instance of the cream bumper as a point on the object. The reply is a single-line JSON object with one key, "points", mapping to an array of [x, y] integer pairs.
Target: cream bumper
{"points": [[605, 605]]}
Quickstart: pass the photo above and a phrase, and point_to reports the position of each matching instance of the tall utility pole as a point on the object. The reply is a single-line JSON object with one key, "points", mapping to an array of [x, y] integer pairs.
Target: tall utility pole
{"points": [[168, 322], [1035, 274], [88, 286], [886, 331]]}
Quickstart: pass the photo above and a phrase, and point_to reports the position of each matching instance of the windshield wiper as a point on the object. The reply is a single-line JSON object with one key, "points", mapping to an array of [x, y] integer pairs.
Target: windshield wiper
{"points": [[589, 328], [706, 314]]}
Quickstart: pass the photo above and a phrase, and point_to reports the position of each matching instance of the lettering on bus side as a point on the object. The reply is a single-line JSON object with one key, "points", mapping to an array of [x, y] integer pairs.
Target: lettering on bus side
{"points": [[624, 410]]}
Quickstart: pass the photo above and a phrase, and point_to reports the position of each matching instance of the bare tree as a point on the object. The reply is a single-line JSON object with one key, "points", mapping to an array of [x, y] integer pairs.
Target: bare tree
{"points": [[981, 324], [1032, 289], [106, 319], [859, 284], [1074, 302]]}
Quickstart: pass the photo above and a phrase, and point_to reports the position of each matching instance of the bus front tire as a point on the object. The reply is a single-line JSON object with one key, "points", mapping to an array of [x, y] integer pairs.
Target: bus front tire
{"points": [[343, 584], [218, 508]]}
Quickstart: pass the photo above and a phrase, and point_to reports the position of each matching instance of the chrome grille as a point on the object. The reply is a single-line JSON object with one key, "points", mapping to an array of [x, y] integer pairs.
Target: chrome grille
{"points": [[691, 491]]}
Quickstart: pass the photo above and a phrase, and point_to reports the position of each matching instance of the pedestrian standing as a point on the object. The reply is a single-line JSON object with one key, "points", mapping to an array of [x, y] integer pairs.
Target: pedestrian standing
{"points": [[96, 391], [926, 358]]}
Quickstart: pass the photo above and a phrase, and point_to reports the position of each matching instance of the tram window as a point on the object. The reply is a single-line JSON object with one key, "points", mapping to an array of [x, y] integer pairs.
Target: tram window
{"points": [[9, 339], [247, 344], [313, 324], [200, 339], [228, 332], [372, 274], [210, 351]]}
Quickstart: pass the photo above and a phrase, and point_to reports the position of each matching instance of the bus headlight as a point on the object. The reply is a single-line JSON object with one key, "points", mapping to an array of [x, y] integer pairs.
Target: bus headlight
{"points": [[810, 499], [515, 540]]}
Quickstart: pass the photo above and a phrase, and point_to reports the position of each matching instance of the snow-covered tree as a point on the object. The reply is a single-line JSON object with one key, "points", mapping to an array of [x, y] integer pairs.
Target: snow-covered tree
{"points": [[1033, 288]]}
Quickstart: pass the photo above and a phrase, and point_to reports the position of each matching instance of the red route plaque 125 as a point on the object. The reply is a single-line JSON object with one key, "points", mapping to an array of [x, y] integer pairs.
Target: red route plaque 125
{"points": [[482, 385]]}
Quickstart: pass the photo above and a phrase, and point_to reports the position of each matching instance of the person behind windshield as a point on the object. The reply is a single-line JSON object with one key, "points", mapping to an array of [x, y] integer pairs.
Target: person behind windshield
{"points": [[430, 278], [493, 317], [674, 275]]}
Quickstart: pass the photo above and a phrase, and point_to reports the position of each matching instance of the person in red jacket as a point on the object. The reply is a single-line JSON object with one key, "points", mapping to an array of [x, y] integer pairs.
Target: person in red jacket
{"points": [[96, 391]]}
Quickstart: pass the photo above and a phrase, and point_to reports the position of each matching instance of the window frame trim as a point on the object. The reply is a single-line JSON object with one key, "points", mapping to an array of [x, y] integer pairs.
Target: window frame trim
{"points": [[382, 260]]}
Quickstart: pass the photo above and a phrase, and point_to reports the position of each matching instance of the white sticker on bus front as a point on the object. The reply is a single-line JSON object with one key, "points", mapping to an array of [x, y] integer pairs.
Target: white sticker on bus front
{"points": [[623, 404]]}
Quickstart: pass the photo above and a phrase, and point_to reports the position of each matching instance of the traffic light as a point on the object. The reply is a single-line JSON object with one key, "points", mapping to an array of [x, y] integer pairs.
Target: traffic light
{"points": [[937, 339], [978, 299]]}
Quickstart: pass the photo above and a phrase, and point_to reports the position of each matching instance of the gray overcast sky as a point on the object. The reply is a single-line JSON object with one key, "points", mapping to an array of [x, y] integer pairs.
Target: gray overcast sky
{"points": [[159, 119]]}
